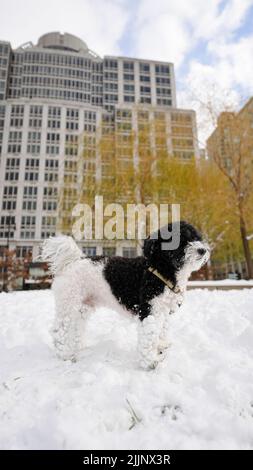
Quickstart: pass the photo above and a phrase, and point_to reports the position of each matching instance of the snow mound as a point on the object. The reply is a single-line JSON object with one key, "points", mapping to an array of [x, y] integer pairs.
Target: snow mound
{"points": [[200, 397]]}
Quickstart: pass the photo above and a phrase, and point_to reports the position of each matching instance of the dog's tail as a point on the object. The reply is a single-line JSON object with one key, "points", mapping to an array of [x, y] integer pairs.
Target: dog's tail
{"points": [[59, 252]]}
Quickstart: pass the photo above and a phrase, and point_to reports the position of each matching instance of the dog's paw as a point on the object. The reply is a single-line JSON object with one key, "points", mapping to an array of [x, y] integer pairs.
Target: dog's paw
{"points": [[147, 364], [66, 356], [163, 346], [150, 361]]}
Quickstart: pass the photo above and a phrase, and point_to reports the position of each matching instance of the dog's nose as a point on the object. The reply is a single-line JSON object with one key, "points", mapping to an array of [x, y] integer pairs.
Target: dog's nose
{"points": [[201, 251]]}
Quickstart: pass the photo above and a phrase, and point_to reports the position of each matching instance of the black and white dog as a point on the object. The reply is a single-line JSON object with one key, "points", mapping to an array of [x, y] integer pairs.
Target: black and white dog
{"points": [[151, 286]]}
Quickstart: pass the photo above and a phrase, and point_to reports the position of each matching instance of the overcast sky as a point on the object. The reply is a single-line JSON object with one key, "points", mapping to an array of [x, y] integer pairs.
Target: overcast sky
{"points": [[210, 41]]}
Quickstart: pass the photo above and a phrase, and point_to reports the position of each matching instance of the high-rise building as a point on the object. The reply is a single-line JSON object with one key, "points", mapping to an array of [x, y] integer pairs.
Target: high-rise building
{"points": [[52, 92], [232, 137]]}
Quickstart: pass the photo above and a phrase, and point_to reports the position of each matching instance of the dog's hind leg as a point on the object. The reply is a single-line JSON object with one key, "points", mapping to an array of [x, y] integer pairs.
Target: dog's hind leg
{"points": [[69, 324]]}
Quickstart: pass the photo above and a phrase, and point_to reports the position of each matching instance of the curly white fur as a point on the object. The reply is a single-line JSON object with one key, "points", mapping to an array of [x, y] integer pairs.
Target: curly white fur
{"points": [[59, 252], [79, 287]]}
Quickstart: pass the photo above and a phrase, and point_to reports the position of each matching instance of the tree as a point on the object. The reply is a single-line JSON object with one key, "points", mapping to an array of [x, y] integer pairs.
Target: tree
{"points": [[127, 165], [14, 270], [231, 148]]}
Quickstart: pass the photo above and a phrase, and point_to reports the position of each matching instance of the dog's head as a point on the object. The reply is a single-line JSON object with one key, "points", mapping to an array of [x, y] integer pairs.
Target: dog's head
{"points": [[192, 251]]}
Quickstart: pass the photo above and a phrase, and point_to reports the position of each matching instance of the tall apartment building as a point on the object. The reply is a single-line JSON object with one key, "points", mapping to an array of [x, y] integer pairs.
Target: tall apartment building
{"points": [[52, 92], [232, 135]]}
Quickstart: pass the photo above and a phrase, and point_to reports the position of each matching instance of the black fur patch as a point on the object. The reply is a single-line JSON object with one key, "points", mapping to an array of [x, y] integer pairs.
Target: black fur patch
{"points": [[131, 282]]}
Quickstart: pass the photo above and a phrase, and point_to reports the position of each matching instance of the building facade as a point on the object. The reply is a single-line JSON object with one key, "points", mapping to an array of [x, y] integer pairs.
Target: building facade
{"points": [[50, 94]]}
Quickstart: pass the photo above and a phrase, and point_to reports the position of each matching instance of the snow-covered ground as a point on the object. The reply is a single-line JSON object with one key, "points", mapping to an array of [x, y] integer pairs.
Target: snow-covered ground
{"points": [[200, 397]]}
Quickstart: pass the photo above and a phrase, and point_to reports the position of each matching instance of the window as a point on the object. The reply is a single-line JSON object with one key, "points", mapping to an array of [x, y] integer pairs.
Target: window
{"points": [[145, 89], [36, 111], [2, 114], [35, 123], [32, 169], [12, 169], [51, 170], [89, 116], [4, 50], [164, 102], [14, 148], [28, 226], [145, 99], [163, 91], [111, 98], [53, 138], [10, 192], [111, 64], [12, 163], [17, 110], [9, 205], [53, 124], [16, 122], [14, 143], [163, 80], [128, 77], [128, 66], [128, 88], [7, 226], [124, 114], [49, 205], [111, 76], [30, 198], [144, 67], [32, 163], [50, 198], [162, 69], [111, 87], [11, 175], [129, 252], [53, 144], [54, 117], [72, 119], [29, 205], [50, 192], [24, 251], [48, 226], [35, 116], [33, 143], [71, 144], [89, 250], [145, 78], [109, 251]]}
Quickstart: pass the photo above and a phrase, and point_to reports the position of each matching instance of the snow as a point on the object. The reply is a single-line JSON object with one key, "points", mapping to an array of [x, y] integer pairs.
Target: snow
{"points": [[200, 397]]}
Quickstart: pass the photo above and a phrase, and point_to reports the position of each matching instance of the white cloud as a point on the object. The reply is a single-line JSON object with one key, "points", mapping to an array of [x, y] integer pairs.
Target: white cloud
{"points": [[163, 38], [227, 81], [169, 30], [223, 22], [237, 58], [208, 93], [99, 23]]}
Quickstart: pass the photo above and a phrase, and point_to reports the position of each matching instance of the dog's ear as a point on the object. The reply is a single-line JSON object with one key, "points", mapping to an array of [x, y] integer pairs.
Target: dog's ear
{"points": [[151, 247]]}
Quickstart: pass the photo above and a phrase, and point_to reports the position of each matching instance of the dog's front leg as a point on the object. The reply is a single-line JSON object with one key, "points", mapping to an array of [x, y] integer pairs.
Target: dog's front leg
{"points": [[148, 339], [164, 334], [170, 308]]}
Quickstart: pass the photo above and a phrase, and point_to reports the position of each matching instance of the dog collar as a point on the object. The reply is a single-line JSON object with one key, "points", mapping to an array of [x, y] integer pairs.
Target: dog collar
{"points": [[167, 282]]}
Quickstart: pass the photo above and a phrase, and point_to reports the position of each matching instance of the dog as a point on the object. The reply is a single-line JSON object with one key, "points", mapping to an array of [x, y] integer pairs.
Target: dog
{"points": [[151, 286]]}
